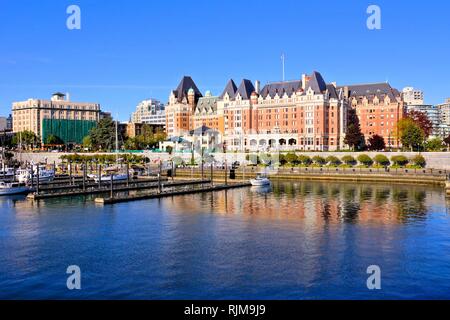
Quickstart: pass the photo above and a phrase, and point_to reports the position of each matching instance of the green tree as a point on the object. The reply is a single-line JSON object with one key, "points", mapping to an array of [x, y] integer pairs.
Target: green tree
{"points": [[26, 138], [87, 143], [54, 140], [333, 161], [354, 137], [292, 159], [434, 145], [365, 160], [400, 161], [419, 161], [411, 135], [304, 160], [382, 160], [103, 137], [321, 161], [349, 160]]}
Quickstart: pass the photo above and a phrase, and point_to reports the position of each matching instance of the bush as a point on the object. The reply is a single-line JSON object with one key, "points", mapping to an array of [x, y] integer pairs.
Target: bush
{"points": [[365, 160], [304, 160], [400, 161], [333, 161], [419, 161], [434, 145], [292, 159], [349, 160], [319, 160], [382, 160]]}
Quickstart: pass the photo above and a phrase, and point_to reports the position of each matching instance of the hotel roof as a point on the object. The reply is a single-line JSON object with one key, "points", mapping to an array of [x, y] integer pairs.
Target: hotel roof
{"points": [[183, 88]]}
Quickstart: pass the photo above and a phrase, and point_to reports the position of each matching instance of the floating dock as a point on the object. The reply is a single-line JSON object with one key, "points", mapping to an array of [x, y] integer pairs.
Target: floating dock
{"points": [[171, 193], [107, 189]]}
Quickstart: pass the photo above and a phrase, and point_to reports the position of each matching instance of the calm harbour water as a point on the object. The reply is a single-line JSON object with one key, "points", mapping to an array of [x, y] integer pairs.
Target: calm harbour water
{"points": [[305, 240]]}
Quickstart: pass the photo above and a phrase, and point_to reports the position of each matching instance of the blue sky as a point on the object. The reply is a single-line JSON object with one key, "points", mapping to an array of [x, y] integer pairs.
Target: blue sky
{"points": [[127, 51]]}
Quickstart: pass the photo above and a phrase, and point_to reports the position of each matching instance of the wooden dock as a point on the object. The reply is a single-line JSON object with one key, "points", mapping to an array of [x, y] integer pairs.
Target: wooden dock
{"points": [[107, 189], [170, 193]]}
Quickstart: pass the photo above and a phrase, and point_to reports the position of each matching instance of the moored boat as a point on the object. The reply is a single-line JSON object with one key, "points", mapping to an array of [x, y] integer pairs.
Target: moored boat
{"points": [[260, 180], [13, 188]]}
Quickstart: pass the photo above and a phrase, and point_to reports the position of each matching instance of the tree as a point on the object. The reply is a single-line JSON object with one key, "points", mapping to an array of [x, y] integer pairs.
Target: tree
{"points": [[400, 161], [319, 160], [422, 120], [304, 160], [411, 135], [26, 138], [333, 161], [292, 159], [353, 137], [103, 137], [54, 140], [87, 143], [435, 145], [382, 160], [365, 160], [376, 143], [349, 160], [419, 161]]}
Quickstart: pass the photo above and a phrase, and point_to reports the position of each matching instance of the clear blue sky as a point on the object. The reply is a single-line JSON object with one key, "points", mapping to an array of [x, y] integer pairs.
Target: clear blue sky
{"points": [[127, 51]]}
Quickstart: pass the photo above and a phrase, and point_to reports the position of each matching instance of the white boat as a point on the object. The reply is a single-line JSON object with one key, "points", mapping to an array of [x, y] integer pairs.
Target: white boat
{"points": [[13, 188], [107, 177], [24, 175], [6, 173], [261, 180]]}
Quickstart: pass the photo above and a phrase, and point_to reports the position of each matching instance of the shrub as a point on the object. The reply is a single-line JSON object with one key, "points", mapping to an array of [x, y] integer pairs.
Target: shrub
{"points": [[419, 161], [292, 158], [333, 161], [304, 160], [400, 161], [349, 160], [319, 160], [382, 160], [365, 160]]}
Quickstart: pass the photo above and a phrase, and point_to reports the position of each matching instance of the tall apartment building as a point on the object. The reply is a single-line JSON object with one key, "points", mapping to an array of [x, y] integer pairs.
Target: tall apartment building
{"points": [[3, 123], [413, 96], [445, 111], [306, 114], [60, 117], [150, 111], [379, 108]]}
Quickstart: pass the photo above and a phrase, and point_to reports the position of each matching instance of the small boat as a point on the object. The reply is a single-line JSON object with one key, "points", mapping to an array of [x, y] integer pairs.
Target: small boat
{"points": [[107, 178], [13, 188], [24, 175], [6, 173], [261, 180]]}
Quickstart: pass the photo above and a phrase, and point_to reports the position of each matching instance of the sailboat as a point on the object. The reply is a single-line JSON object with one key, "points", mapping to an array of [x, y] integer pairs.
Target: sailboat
{"points": [[112, 172]]}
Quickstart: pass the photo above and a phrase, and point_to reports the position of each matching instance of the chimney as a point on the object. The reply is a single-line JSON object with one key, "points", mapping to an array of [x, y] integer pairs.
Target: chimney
{"points": [[257, 86], [346, 92], [304, 81]]}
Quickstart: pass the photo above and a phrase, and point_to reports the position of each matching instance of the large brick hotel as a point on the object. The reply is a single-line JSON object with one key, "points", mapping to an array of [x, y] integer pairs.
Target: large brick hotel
{"points": [[306, 114]]}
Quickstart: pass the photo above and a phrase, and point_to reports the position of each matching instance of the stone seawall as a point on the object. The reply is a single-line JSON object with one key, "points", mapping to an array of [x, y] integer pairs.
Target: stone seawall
{"points": [[435, 160]]}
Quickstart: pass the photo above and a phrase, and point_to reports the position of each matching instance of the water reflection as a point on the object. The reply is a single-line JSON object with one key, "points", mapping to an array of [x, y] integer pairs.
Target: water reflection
{"points": [[325, 202]]}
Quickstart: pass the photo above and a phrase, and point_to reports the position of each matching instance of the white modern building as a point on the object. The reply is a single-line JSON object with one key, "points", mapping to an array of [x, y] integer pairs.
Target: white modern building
{"points": [[413, 96], [150, 111]]}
